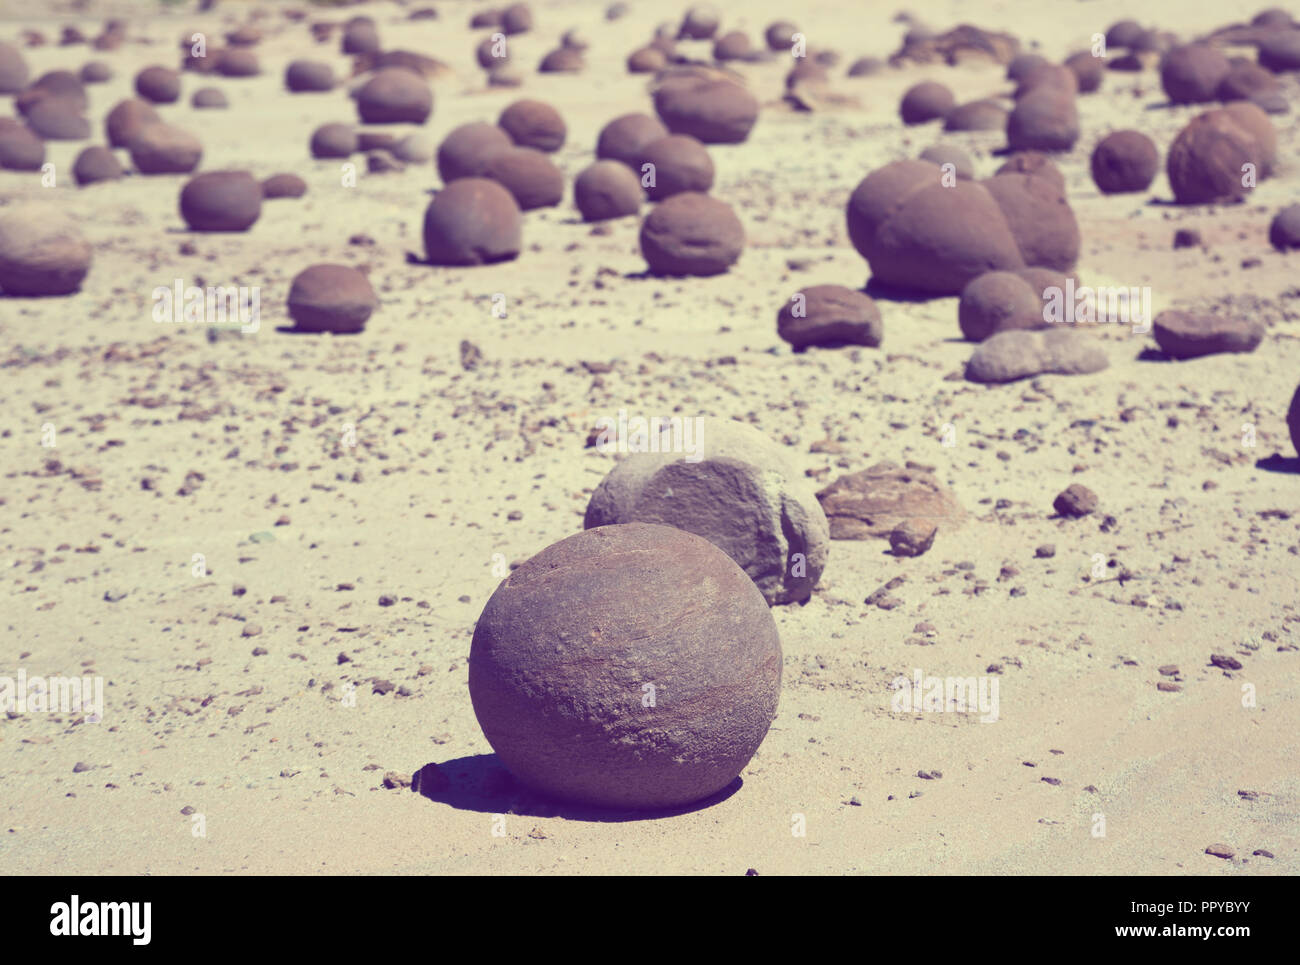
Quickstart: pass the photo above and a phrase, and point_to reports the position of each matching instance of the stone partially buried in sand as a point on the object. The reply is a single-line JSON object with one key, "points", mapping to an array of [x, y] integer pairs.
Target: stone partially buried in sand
{"points": [[625, 138], [920, 235], [567, 646], [691, 234], [1014, 355], [529, 175], [473, 221], [331, 298], [163, 149], [926, 101], [395, 95], [96, 164], [873, 502], [716, 111], [334, 141], [535, 124], [830, 315], [607, 189], [678, 163], [42, 251], [283, 186], [1213, 157], [467, 150], [209, 98], [1188, 335], [1124, 161], [1191, 74], [727, 482], [221, 201]]}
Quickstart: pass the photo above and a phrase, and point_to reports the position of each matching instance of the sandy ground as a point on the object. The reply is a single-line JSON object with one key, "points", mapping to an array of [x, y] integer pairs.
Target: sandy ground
{"points": [[171, 443]]}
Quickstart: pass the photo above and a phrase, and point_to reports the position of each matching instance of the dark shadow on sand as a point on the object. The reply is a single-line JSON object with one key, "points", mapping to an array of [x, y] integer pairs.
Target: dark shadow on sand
{"points": [[1279, 463], [482, 783]]}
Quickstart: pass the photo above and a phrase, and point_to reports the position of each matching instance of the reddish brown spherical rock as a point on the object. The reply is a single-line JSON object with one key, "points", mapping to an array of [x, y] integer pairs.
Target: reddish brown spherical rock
{"points": [[160, 148], [42, 251], [534, 124], [283, 186], [95, 72], [1040, 219], [1045, 119], [20, 148], [516, 19], [467, 150], [331, 298], [14, 72], [982, 115], [715, 111], [1124, 161], [700, 23], [126, 120], [308, 76], [529, 175], [646, 60], [1284, 231], [221, 201], [238, 62], [1035, 163], [733, 45], [1022, 65], [999, 301], [473, 221], [1191, 74], [678, 163], [1252, 119], [567, 646], [920, 235], [607, 189], [96, 164], [361, 38], [1088, 70], [625, 139], [1055, 76], [1208, 161], [492, 52], [926, 101], [58, 119], [1279, 50], [562, 60], [829, 316], [209, 98], [691, 234], [1125, 33], [159, 85], [779, 36], [334, 141], [395, 95]]}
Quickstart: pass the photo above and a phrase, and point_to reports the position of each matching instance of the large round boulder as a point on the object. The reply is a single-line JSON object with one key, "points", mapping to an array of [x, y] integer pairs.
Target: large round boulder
{"points": [[473, 221], [630, 666], [677, 163], [625, 139], [1191, 74], [716, 111], [1124, 161], [691, 234], [467, 150], [331, 298], [529, 175], [395, 95], [42, 251], [221, 201], [534, 124], [607, 189]]}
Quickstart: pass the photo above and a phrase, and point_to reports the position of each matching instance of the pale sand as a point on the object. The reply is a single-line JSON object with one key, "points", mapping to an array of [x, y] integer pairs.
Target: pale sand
{"points": [[277, 767]]}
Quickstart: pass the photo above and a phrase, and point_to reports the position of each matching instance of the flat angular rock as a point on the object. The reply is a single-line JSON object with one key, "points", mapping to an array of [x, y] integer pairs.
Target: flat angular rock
{"points": [[873, 502], [1010, 356], [737, 489], [1186, 335]]}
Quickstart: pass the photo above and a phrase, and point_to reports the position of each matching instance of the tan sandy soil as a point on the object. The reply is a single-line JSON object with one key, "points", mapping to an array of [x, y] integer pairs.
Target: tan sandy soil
{"points": [[171, 443]]}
